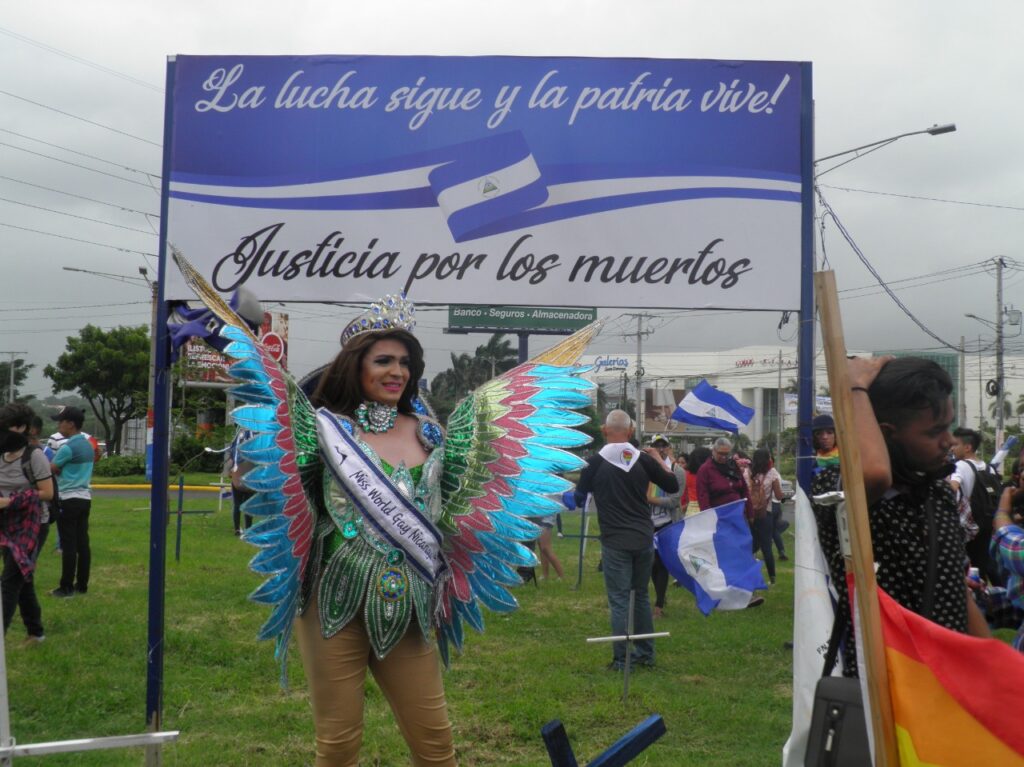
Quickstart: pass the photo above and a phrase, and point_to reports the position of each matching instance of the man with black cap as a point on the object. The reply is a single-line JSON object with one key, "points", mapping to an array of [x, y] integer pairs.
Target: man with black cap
{"points": [[72, 466]]}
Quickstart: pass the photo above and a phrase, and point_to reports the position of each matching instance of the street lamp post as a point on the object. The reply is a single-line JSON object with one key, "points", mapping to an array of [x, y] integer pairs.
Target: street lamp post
{"points": [[806, 373], [874, 146]]}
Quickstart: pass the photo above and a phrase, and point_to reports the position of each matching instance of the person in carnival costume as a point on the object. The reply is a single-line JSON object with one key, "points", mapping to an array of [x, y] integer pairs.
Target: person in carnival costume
{"points": [[382, 533]]}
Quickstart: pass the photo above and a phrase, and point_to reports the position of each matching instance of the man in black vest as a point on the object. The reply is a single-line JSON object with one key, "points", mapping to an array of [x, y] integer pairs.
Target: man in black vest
{"points": [[618, 477]]}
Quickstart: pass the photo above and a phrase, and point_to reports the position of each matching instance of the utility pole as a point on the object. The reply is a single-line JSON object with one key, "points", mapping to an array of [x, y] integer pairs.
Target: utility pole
{"points": [[640, 333], [780, 406], [981, 389], [1000, 392], [10, 388], [962, 398]]}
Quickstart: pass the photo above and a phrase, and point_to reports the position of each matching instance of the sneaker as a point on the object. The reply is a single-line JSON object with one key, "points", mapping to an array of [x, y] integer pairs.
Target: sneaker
{"points": [[783, 558], [33, 640], [755, 602], [79, 590], [58, 592]]}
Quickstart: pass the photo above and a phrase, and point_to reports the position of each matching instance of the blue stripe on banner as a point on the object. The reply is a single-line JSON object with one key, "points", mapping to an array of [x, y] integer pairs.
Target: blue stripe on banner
{"points": [[421, 197], [564, 174], [552, 174], [478, 158], [616, 202]]}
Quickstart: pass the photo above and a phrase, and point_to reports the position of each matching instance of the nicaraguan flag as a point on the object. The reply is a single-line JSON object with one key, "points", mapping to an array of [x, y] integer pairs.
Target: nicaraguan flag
{"points": [[704, 405], [710, 554], [489, 180]]}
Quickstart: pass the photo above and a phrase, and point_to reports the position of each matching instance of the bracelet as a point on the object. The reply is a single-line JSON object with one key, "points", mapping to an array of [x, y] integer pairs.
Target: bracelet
{"points": [[858, 388]]}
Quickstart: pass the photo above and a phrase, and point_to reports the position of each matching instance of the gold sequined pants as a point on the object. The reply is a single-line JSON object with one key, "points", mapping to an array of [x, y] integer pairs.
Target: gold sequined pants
{"points": [[409, 677]]}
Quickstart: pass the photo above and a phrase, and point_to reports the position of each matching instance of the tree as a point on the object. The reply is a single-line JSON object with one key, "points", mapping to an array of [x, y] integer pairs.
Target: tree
{"points": [[469, 371], [20, 374], [1007, 408], [110, 369]]}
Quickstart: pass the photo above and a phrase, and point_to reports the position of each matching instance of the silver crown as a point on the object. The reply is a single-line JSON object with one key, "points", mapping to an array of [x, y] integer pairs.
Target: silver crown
{"points": [[389, 313]]}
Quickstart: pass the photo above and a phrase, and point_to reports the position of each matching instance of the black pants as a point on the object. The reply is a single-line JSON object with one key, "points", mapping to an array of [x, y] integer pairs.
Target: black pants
{"points": [[19, 592], [76, 556], [762, 532], [238, 497], [659, 576], [779, 526]]}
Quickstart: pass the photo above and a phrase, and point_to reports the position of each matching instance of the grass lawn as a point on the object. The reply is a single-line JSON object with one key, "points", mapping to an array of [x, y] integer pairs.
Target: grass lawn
{"points": [[722, 683]]}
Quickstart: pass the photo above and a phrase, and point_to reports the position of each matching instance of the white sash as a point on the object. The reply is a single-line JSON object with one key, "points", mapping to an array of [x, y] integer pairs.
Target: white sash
{"points": [[382, 505], [621, 455]]}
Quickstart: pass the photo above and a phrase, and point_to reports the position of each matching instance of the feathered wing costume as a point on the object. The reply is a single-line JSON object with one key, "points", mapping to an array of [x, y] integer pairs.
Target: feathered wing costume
{"points": [[496, 467]]}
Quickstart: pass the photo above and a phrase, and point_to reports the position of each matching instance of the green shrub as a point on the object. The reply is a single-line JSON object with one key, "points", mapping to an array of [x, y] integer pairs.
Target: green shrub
{"points": [[185, 449], [120, 466]]}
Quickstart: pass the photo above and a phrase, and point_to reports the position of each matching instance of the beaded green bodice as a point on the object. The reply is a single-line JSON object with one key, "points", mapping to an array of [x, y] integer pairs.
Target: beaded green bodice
{"points": [[361, 573]]}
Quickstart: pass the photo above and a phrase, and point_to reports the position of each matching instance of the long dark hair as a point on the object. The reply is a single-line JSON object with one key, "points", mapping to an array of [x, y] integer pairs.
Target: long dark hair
{"points": [[340, 389], [761, 462], [697, 458]]}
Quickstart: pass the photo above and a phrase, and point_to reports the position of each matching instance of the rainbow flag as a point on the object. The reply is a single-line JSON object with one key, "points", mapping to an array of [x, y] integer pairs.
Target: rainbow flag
{"points": [[955, 698]]}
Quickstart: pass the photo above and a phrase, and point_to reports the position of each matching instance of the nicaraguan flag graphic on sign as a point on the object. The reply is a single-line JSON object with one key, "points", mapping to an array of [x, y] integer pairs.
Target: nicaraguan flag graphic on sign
{"points": [[704, 405], [709, 553]]}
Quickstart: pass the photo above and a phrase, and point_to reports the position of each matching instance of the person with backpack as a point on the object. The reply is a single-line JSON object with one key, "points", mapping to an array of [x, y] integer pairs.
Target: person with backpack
{"points": [[26, 483], [977, 487], [765, 485]]}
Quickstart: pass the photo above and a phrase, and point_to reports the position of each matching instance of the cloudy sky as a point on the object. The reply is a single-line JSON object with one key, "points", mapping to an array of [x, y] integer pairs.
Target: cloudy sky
{"points": [[927, 212]]}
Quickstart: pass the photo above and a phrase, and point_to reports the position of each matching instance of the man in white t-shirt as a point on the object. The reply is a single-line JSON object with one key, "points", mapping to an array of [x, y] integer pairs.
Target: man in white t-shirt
{"points": [[965, 448]]}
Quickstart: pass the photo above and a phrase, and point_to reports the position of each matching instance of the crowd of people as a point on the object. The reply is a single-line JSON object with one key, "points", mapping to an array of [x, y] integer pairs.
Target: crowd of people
{"points": [[42, 484]]}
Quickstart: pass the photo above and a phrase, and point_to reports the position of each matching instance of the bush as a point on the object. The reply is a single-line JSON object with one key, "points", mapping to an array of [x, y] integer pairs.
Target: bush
{"points": [[120, 466], [185, 449]]}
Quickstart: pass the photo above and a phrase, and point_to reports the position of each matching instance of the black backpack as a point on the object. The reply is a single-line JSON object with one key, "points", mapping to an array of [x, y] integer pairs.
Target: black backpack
{"points": [[984, 500], [26, 467]]}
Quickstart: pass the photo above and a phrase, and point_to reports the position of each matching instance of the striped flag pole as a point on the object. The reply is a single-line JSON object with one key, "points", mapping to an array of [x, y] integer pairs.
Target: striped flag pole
{"points": [[860, 562]]}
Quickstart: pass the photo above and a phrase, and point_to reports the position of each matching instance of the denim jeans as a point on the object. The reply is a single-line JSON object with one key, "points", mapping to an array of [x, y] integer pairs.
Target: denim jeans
{"points": [[762, 532], [626, 571], [779, 526]]}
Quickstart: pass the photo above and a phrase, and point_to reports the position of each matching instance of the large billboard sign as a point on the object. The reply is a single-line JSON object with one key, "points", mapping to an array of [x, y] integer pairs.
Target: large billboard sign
{"points": [[533, 181]]}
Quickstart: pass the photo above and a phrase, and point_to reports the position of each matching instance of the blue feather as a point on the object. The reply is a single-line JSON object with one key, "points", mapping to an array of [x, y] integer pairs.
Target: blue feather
{"points": [[264, 478], [274, 590], [491, 595], [513, 527], [255, 392], [273, 559], [555, 416], [555, 437], [471, 612], [539, 482]]}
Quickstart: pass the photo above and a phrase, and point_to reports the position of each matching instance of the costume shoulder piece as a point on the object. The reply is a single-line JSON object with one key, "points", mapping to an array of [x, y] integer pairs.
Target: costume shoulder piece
{"points": [[505, 446], [282, 444]]}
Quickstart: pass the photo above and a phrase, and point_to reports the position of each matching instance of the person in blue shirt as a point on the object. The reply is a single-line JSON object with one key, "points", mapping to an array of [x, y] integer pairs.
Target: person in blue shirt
{"points": [[72, 466]]}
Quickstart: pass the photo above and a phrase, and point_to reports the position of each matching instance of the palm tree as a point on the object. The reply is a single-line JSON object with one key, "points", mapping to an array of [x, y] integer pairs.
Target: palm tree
{"points": [[1007, 408], [496, 356]]}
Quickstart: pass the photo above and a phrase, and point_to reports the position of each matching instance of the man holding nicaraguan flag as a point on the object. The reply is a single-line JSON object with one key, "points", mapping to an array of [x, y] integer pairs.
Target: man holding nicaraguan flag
{"points": [[710, 554], [704, 405]]}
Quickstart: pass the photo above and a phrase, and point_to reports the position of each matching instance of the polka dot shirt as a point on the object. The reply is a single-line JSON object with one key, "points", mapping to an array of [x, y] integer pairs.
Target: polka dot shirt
{"points": [[899, 536]]}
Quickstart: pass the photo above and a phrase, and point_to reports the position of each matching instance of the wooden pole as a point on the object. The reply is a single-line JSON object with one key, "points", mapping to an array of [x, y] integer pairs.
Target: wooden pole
{"points": [[861, 563]]}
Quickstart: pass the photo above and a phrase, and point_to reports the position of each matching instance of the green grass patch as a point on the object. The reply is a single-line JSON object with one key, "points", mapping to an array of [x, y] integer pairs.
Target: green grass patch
{"points": [[722, 683]]}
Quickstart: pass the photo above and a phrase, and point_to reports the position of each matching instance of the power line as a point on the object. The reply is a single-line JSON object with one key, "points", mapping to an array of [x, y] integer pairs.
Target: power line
{"points": [[80, 197], [72, 215], [76, 239], [846, 235], [80, 60], [80, 154], [76, 117], [926, 199], [74, 164]]}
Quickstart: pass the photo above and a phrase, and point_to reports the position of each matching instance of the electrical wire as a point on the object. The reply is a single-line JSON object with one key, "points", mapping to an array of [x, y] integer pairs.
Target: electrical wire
{"points": [[76, 117], [75, 164], [81, 197], [76, 239], [72, 215], [924, 198], [867, 264], [80, 60], [80, 154]]}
